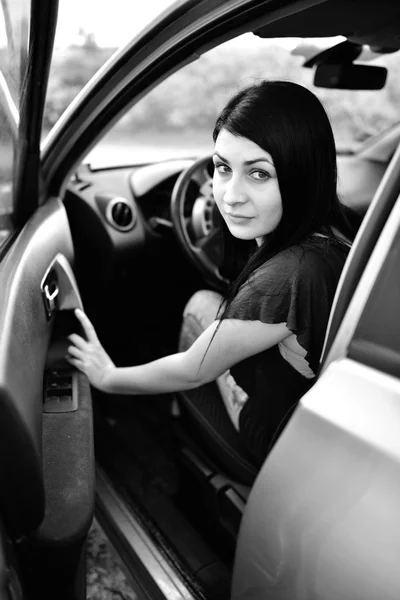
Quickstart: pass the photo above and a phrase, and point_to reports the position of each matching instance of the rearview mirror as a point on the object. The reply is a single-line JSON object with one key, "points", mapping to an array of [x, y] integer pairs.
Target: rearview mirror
{"points": [[350, 77]]}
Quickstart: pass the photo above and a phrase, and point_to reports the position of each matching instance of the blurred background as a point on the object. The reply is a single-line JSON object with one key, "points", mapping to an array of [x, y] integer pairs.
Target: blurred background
{"points": [[179, 114]]}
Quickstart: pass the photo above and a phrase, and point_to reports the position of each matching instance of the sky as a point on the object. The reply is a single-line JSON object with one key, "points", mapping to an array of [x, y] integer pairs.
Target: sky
{"points": [[113, 23]]}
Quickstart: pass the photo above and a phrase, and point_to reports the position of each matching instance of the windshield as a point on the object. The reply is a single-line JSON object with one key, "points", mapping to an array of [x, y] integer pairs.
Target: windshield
{"points": [[14, 30]]}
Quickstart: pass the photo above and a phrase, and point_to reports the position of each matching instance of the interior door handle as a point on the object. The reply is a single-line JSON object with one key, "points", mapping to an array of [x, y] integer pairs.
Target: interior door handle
{"points": [[50, 294], [59, 288]]}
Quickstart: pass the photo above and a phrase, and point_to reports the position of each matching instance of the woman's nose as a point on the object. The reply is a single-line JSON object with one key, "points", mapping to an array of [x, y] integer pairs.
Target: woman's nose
{"points": [[234, 192]]}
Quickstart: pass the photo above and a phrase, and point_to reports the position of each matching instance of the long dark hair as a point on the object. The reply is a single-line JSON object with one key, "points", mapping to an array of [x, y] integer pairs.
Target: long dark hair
{"points": [[289, 122]]}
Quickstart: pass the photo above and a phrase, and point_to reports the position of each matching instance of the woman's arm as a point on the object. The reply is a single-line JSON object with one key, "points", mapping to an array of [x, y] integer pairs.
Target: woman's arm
{"points": [[234, 341]]}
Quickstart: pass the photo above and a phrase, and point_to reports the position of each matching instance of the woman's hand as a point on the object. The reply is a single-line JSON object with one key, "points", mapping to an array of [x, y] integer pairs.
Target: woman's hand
{"points": [[89, 355]]}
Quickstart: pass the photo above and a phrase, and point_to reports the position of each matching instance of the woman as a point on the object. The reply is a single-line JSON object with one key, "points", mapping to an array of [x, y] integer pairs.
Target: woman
{"points": [[275, 187]]}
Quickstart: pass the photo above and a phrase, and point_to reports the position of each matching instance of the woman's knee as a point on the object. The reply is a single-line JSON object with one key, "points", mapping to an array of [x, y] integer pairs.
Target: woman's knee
{"points": [[203, 307], [200, 311]]}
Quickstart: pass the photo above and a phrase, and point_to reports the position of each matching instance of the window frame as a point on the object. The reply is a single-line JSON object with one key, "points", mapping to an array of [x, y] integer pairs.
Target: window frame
{"points": [[26, 119]]}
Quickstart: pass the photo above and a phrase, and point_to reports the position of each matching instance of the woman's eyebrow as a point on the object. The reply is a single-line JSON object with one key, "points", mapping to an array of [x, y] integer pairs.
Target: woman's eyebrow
{"points": [[220, 157], [246, 162], [261, 159]]}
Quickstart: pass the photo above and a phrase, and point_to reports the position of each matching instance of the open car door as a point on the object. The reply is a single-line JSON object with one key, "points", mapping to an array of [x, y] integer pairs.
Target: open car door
{"points": [[46, 441]]}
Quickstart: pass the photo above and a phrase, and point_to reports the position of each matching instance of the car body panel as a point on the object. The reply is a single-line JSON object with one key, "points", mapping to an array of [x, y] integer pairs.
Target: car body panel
{"points": [[322, 519]]}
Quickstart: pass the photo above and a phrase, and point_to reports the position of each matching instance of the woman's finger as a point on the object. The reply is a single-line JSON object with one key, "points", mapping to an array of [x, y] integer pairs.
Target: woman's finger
{"points": [[87, 325], [75, 352], [75, 362], [78, 341]]}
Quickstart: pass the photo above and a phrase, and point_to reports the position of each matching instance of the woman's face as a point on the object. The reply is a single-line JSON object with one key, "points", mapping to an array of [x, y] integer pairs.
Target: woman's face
{"points": [[245, 187]]}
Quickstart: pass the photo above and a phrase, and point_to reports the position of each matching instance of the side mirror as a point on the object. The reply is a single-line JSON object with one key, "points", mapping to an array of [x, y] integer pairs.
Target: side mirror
{"points": [[350, 76]]}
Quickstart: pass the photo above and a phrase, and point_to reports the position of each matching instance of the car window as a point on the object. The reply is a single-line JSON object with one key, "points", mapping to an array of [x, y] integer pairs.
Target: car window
{"points": [[176, 118], [14, 30], [88, 34]]}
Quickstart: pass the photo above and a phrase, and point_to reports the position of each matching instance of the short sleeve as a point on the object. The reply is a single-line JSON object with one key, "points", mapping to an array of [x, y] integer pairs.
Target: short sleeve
{"points": [[295, 287]]}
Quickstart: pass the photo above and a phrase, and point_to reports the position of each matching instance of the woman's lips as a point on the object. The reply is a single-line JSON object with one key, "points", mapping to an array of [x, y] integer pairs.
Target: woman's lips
{"points": [[238, 218]]}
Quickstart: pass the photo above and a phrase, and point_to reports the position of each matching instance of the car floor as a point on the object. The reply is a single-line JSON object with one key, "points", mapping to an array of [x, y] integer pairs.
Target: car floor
{"points": [[136, 446]]}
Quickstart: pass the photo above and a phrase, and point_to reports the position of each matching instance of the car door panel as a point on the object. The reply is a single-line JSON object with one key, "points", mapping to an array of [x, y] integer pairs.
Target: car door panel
{"points": [[328, 496], [25, 334], [46, 454]]}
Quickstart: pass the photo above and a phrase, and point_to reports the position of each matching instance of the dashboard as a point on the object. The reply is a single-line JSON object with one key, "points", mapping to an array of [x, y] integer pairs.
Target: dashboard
{"points": [[121, 208]]}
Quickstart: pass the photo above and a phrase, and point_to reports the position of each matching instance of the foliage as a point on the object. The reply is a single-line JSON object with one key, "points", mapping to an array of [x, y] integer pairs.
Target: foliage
{"points": [[71, 69], [190, 99]]}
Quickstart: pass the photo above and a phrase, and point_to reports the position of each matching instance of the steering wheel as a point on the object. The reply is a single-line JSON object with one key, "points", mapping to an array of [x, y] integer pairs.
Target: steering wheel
{"points": [[193, 218]]}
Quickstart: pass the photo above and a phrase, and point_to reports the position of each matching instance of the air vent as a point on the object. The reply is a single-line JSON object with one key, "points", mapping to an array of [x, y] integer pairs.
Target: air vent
{"points": [[121, 213]]}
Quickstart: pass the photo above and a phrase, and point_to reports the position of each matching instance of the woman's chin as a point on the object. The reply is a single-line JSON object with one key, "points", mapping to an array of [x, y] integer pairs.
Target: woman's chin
{"points": [[241, 232]]}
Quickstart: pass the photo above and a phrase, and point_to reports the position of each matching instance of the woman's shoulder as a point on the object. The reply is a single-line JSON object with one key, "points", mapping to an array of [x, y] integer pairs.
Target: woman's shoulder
{"points": [[310, 258], [291, 283]]}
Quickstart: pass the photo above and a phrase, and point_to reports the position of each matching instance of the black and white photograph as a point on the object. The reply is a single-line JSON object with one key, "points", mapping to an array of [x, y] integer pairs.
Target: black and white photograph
{"points": [[199, 292]]}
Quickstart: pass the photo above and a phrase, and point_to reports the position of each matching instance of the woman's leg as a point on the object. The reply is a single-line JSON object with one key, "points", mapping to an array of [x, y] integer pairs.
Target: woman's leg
{"points": [[199, 313]]}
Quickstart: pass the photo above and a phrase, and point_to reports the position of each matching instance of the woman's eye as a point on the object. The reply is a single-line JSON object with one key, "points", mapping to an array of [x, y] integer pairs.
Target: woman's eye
{"points": [[222, 168], [260, 175]]}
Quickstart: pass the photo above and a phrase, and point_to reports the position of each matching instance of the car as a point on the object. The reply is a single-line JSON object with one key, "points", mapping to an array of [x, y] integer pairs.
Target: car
{"points": [[125, 231]]}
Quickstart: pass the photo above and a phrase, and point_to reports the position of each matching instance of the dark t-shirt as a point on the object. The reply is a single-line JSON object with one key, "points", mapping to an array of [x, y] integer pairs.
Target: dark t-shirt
{"points": [[295, 287]]}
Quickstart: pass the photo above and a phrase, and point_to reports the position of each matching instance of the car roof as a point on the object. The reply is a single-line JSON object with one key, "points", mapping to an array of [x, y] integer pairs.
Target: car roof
{"points": [[372, 22]]}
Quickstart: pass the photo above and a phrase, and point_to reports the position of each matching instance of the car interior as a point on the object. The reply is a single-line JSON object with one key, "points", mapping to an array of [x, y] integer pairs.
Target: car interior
{"points": [[131, 244]]}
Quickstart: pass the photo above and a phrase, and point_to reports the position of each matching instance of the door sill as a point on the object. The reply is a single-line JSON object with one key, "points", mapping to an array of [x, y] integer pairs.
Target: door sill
{"points": [[153, 576]]}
